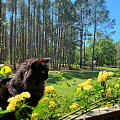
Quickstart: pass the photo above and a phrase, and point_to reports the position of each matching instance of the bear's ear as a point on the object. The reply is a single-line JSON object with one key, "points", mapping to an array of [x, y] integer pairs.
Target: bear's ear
{"points": [[39, 61], [43, 60]]}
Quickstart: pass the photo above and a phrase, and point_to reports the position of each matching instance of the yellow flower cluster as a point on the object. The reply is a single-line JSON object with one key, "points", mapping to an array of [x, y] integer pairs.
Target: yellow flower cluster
{"points": [[108, 91], [78, 89], [117, 85], [74, 106], [43, 99], [34, 115], [86, 85], [6, 70], [110, 73], [13, 100], [102, 76], [52, 104], [118, 79], [49, 88]]}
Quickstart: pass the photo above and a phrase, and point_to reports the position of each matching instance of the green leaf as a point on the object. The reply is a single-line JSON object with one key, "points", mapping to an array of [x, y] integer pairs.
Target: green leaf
{"points": [[97, 88], [6, 111], [17, 115]]}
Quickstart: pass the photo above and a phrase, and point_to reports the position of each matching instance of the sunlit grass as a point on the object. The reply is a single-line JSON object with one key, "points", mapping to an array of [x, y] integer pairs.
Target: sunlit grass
{"points": [[72, 79]]}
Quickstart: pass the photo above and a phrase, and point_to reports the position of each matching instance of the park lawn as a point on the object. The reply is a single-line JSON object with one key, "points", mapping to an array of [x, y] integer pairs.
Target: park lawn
{"points": [[107, 68], [99, 67], [72, 78]]}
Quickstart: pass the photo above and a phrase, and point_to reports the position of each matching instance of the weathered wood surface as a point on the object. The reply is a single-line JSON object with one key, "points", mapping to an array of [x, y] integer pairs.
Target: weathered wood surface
{"points": [[106, 113]]}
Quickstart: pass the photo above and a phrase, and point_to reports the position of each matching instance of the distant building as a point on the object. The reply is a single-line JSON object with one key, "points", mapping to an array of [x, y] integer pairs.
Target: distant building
{"points": [[95, 63]]}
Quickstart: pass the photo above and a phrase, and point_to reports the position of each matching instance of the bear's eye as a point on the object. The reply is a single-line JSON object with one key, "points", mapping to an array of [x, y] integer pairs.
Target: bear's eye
{"points": [[43, 72]]}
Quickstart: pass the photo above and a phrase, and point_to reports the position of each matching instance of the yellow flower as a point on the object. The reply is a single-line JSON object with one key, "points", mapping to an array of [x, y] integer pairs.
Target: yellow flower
{"points": [[25, 95], [102, 76], [105, 74], [55, 95], [74, 106], [85, 83], [100, 73], [44, 99], [10, 99], [87, 87], [6, 70], [108, 91], [11, 106], [78, 89], [117, 85], [102, 91], [88, 82], [13, 100], [110, 73], [52, 104], [119, 80], [34, 115], [81, 84], [49, 88], [18, 98]]}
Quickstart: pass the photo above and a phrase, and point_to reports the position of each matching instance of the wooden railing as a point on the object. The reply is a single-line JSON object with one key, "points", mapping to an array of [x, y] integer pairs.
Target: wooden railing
{"points": [[106, 113]]}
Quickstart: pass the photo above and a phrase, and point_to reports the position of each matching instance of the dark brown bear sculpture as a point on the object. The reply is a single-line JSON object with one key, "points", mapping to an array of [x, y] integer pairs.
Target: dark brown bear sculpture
{"points": [[30, 77]]}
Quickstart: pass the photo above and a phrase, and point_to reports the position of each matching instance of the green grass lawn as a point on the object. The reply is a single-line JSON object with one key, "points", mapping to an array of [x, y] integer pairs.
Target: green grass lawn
{"points": [[99, 67], [72, 79], [107, 68]]}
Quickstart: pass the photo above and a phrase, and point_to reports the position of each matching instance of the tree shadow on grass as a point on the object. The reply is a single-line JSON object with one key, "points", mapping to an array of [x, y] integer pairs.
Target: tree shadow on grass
{"points": [[69, 75]]}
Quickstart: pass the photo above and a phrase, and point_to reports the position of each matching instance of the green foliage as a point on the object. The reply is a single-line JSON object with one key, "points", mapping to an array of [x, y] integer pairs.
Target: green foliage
{"points": [[118, 62], [105, 51]]}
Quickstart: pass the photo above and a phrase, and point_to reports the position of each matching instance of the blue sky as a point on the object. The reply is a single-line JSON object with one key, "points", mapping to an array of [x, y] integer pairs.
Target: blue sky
{"points": [[114, 7]]}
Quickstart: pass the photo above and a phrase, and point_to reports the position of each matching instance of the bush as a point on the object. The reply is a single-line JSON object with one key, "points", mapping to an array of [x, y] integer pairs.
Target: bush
{"points": [[118, 62]]}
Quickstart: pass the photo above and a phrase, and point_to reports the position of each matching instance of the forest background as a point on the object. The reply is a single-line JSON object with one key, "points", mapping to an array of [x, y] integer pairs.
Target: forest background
{"points": [[70, 33]]}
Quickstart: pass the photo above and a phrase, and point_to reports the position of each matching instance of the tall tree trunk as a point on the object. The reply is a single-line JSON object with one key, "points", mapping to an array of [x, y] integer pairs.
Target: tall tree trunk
{"points": [[60, 48], [15, 35], [23, 37], [43, 30], [29, 34], [34, 42], [37, 30], [6, 44], [46, 35], [52, 39], [84, 44], [81, 38], [94, 37], [11, 35], [2, 44], [0, 29]]}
